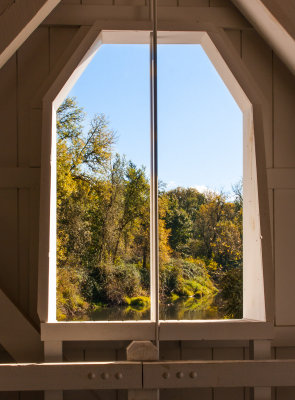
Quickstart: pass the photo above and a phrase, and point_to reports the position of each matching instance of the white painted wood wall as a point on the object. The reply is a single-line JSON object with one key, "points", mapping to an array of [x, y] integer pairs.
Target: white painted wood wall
{"points": [[20, 129]]}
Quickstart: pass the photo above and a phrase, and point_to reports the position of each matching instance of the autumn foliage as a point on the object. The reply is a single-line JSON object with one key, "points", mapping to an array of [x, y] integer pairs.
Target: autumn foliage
{"points": [[103, 231]]}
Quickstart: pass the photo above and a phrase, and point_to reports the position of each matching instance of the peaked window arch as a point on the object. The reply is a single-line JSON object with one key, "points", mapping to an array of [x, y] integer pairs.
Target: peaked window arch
{"points": [[245, 104]]}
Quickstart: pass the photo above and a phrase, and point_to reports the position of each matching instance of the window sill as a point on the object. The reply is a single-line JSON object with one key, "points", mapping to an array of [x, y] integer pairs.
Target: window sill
{"points": [[239, 329]]}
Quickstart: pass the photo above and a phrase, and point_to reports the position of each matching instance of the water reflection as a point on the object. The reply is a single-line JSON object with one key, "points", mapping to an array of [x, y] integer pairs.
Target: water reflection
{"points": [[182, 309]]}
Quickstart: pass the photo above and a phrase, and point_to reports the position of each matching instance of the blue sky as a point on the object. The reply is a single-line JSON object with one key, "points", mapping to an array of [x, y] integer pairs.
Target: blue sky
{"points": [[200, 125]]}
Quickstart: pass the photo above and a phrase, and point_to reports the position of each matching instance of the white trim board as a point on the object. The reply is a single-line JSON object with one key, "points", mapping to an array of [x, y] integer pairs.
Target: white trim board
{"points": [[169, 330]]}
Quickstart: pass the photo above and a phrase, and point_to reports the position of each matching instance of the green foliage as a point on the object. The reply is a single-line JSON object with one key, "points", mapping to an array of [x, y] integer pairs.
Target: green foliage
{"points": [[103, 231], [186, 278]]}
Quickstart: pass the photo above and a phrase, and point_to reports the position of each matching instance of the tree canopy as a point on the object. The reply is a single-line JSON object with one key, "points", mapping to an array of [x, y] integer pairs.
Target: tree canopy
{"points": [[103, 231]]}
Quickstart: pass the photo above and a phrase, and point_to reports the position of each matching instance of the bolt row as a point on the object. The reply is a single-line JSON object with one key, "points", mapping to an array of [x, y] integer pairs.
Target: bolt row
{"points": [[105, 375], [180, 375]]}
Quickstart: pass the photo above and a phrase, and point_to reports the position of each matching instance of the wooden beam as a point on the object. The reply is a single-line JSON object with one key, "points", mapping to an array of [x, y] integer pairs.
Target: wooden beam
{"points": [[190, 374], [270, 28], [156, 375], [19, 21], [19, 338], [67, 331], [215, 330], [224, 17], [71, 376], [169, 330], [19, 177]]}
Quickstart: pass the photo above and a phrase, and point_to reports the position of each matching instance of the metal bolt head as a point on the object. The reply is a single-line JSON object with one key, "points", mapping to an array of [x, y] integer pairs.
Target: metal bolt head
{"points": [[166, 375], [119, 375], [91, 375], [193, 374], [180, 375], [105, 375]]}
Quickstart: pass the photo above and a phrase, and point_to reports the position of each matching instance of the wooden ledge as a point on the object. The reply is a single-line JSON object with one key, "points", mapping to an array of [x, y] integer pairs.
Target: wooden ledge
{"points": [[169, 330]]}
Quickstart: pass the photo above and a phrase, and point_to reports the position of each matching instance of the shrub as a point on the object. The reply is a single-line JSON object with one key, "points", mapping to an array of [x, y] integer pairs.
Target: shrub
{"points": [[122, 280], [71, 304]]}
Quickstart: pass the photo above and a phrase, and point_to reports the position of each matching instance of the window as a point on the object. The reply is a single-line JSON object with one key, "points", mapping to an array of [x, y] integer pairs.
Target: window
{"points": [[254, 302]]}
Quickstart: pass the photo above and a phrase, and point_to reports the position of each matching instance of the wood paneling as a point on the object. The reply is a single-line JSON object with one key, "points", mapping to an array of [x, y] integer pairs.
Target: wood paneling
{"points": [[187, 394], [228, 354], [60, 38], [4, 5], [254, 48], [284, 202], [33, 67], [284, 116], [8, 114], [9, 243]]}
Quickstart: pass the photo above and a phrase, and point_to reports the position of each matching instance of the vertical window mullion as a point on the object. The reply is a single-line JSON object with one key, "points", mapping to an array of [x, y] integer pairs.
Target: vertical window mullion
{"points": [[154, 268]]}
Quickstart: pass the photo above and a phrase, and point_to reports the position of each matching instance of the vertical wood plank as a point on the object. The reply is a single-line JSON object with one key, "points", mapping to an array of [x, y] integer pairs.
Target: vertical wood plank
{"points": [[33, 67], [167, 3], [72, 1], [99, 351], [284, 116], [72, 352], [284, 203], [8, 114], [33, 252], [285, 393], [187, 394], [23, 247], [257, 56], [130, 2], [90, 395], [170, 350], [220, 3], [8, 243], [194, 3], [230, 353], [99, 2]]}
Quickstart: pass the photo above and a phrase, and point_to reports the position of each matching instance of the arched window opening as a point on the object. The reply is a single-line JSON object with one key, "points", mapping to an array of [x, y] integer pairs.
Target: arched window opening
{"points": [[209, 227]]}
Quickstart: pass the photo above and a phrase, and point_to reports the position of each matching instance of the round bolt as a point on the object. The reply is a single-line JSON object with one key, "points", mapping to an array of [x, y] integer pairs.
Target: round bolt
{"points": [[119, 375], [193, 374], [180, 375], [166, 375], [105, 375], [91, 375]]}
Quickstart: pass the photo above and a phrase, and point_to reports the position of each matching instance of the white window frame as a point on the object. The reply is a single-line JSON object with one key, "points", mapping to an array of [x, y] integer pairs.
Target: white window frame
{"points": [[257, 322]]}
